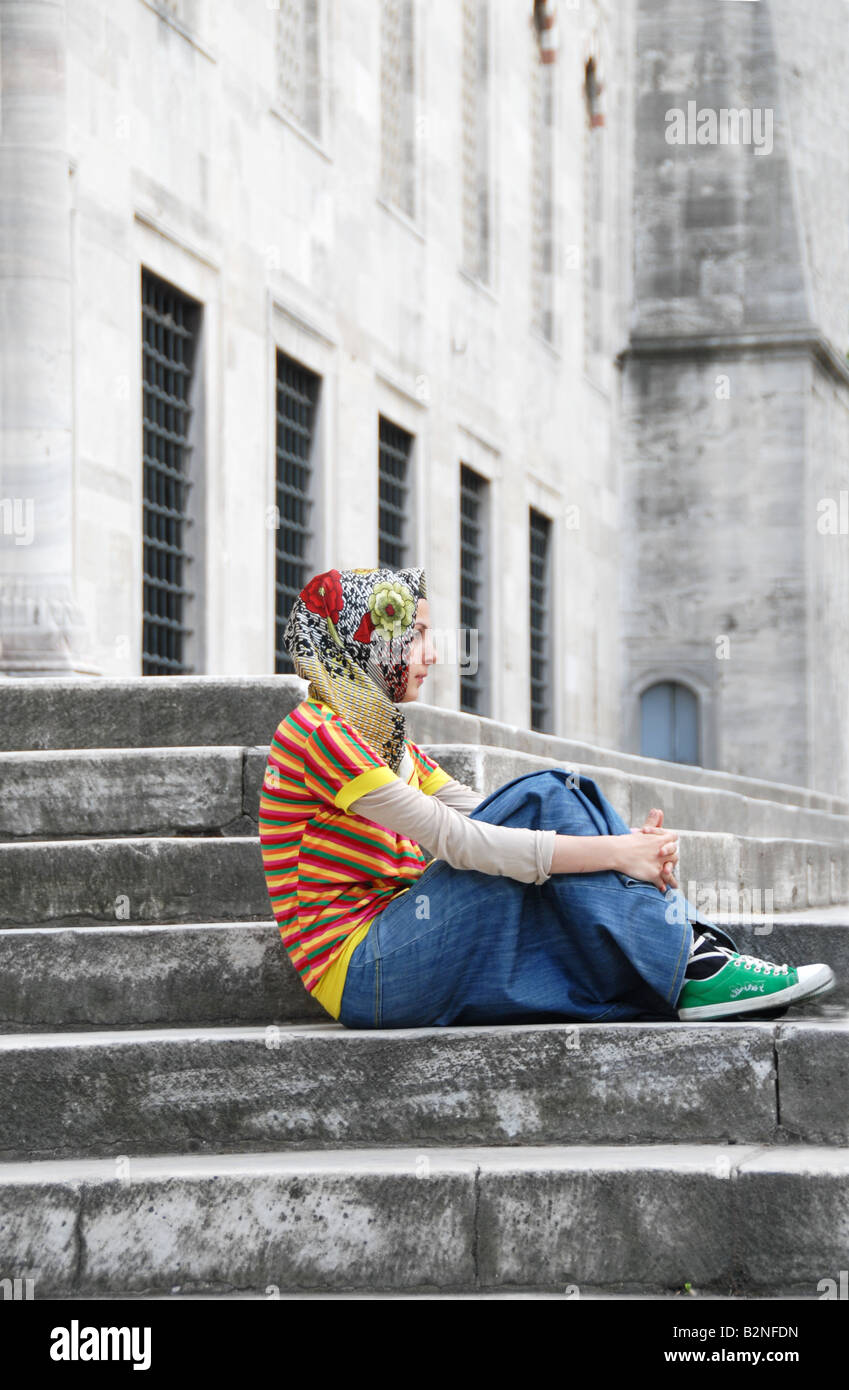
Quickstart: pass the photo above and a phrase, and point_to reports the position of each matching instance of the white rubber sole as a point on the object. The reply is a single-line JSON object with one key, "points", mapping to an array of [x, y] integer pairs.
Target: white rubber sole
{"points": [[813, 979]]}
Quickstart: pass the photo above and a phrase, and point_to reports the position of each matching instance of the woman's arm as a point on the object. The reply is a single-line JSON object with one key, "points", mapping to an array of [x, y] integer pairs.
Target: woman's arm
{"points": [[572, 854], [459, 797], [509, 851], [584, 854], [519, 852]]}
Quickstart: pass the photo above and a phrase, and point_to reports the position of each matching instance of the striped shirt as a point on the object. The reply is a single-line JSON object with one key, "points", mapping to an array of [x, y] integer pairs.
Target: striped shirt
{"points": [[329, 871]]}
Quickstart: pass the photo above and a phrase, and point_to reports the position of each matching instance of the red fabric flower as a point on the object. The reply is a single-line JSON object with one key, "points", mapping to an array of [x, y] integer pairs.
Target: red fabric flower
{"points": [[323, 595], [365, 629]]}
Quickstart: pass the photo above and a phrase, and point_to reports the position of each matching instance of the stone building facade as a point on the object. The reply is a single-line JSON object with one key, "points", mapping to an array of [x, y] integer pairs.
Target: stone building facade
{"points": [[735, 404], [298, 284]]}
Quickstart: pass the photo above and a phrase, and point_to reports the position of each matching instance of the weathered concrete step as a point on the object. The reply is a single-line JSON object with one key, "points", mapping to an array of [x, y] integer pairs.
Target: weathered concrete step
{"points": [[586, 1293], [179, 711], [306, 1086], [187, 974], [123, 976], [198, 879], [150, 879], [465, 1219], [154, 791], [633, 796], [145, 711], [125, 791]]}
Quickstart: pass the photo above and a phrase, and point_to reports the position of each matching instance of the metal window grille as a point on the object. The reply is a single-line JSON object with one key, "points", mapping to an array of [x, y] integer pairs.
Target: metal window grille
{"points": [[394, 492], [593, 216], [475, 138], [540, 621], [298, 65], [296, 409], [397, 104], [473, 505], [170, 323], [542, 194]]}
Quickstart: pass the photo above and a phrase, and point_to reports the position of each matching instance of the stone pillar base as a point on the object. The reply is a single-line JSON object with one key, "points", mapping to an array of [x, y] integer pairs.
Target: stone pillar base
{"points": [[42, 633], [11, 670]]}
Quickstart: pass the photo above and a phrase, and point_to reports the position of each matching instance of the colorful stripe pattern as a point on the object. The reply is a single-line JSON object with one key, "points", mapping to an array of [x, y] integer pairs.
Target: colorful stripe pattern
{"points": [[329, 870]]}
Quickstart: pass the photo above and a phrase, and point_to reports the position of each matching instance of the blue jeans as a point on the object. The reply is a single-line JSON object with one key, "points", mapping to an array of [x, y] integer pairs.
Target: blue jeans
{"points": [[465, 947]]}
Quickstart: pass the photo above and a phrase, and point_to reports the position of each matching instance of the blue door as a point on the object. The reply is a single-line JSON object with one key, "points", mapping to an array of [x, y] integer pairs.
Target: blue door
{"points": [[670, 723]]}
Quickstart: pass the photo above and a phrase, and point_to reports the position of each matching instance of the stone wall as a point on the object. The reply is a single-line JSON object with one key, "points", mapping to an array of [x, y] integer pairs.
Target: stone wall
{"points": [[182, 161], [735, 387]]}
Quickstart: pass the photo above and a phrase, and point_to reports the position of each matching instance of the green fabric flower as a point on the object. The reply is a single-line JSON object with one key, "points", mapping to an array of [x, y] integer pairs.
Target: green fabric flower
{"points": [[392, 607]]}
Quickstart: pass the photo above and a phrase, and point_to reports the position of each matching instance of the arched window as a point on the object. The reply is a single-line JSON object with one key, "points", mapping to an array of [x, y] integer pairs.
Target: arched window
{"points": [[670, 723]]}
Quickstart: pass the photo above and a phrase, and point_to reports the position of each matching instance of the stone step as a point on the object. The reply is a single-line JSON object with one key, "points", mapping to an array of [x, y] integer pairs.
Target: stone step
{"points": [[586, 1293], [132, 880], [150, 976], [188, 974], [690, 807], [319, 1085], [220, 878], [244, 711], [465, 1219], [159, 791], [108, 792]]}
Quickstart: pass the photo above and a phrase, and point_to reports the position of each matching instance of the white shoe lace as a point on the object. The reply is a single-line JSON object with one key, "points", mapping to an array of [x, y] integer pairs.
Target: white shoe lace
{"points": [[753, 963], [757, 965]]}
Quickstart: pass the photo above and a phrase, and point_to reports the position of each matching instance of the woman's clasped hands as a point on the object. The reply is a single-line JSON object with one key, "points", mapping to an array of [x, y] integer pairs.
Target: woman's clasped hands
{"points": [[649, 852]]}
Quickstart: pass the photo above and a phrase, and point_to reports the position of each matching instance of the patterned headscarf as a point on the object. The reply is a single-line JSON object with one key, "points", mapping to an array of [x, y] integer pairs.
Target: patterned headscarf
{"points": [[349, 634]]}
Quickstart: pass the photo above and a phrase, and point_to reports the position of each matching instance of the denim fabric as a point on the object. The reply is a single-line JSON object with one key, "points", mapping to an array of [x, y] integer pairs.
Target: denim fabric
{"points": [[465, 947]]}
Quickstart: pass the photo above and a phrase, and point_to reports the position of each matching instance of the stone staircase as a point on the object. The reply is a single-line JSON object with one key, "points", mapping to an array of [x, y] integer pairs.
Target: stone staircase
{"points": [[180, 1117]]}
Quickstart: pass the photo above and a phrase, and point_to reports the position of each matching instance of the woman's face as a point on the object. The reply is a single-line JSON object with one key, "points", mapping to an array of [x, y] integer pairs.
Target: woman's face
{"points": [[422, 654]]}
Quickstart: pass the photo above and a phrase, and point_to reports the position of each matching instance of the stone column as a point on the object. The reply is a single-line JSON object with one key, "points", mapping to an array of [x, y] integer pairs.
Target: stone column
{"points": [[716, 392], [41, 629]]}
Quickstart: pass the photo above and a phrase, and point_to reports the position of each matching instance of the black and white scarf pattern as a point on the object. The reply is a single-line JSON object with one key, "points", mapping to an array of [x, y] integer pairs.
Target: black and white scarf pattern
{"points": [[349, 634]]}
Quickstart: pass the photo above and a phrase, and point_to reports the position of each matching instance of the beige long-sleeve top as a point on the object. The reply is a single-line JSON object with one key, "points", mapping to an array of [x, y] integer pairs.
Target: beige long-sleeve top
{"points": [[440, 823]]}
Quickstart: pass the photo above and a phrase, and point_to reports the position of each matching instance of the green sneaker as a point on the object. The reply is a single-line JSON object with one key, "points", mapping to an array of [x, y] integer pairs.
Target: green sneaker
{"points": [[747, 985]]}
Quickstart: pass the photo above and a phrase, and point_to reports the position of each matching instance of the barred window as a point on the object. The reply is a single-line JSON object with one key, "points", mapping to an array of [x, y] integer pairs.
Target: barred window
{"points": [[477, 178], [540, 620], [397, 105], [298, 62], [669, 715], [395, 446], [474, 519], [542, 93], [170, 327], [593, 215], [296, 558]]}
